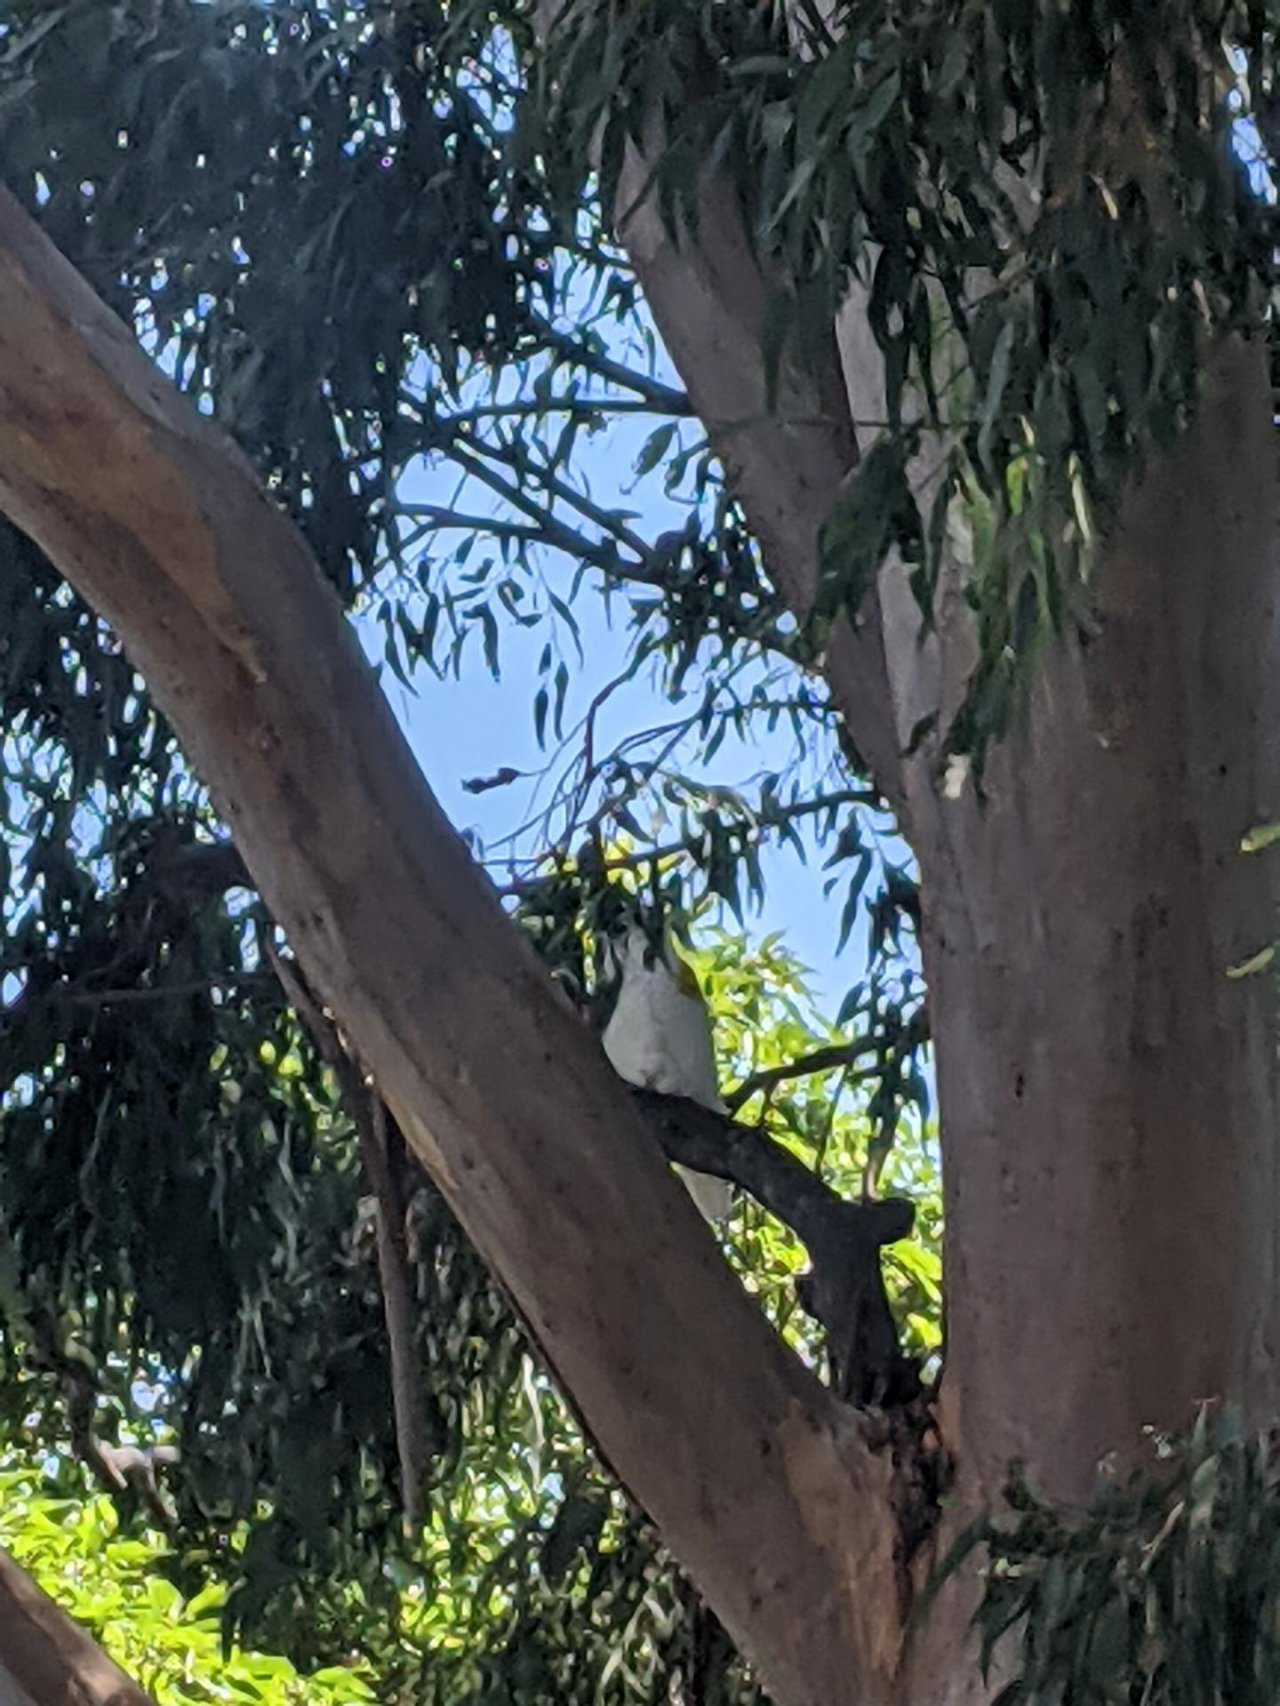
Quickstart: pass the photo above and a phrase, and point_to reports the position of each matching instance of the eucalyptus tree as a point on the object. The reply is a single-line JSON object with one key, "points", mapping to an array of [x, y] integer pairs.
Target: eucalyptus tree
{"points": [[969, 312]]}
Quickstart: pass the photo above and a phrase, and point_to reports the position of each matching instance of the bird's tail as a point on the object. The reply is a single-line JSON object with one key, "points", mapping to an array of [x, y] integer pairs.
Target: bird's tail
{"points": [[713, 1197]]}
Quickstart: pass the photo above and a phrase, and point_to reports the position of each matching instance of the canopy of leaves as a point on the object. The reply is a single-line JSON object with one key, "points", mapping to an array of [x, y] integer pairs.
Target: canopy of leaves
{"points": [[1048, 210], [532, 1576], [115, 1587]]}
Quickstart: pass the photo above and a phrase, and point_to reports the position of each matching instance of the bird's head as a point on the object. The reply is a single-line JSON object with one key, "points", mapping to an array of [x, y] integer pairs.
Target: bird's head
{"points": [[637, 949], [630, 947]]}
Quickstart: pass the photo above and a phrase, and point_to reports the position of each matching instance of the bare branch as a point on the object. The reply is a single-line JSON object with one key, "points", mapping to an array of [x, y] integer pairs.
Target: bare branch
{"points": [[547, 530], [574, 352], [845, 1289], [470, 458], [830, 1059], [368, 1114], [574, 406]]}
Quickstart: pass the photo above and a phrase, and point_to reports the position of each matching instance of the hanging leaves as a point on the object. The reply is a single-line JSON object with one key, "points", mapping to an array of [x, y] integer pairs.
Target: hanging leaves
{"points": [[1163, 1589], [1052, 196]]}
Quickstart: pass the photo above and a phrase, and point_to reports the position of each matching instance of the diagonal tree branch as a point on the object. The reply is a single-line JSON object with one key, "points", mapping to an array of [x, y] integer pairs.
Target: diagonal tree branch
{"points": [[830, 1059], [44, 1656], [759, 1481], [844, 1290], [577, 352]]}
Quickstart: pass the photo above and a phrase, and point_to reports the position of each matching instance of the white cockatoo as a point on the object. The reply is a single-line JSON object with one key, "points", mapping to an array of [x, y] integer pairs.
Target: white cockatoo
{"points": [[659, 1038]]}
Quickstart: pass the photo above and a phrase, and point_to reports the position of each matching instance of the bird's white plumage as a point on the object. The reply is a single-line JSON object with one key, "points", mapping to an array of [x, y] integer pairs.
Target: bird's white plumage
{"points": [[659, 1037]]}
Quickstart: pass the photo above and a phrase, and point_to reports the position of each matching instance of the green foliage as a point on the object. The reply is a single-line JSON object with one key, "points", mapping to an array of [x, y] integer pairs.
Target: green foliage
{"points": [[116, 1587], [423, 418], [1164, 1590], [370, 241], [1043, 207], [532, 1575], [240, 192]]}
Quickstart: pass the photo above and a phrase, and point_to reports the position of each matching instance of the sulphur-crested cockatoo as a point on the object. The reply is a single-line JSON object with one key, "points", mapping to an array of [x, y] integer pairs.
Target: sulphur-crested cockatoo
{"points": [[659, 1037]]}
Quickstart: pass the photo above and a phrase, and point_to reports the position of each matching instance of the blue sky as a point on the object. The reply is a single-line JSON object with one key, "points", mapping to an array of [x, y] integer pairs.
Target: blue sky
{"points": [[474, 726]]}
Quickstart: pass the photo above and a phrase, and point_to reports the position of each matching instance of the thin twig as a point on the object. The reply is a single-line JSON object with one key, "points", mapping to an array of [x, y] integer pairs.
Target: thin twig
{"points": [[758, 821], [365, 1106], [413, 1433], [471, 457], [565, 406], [663, 397], [829, 1059], [164, 992], [521, 461]]}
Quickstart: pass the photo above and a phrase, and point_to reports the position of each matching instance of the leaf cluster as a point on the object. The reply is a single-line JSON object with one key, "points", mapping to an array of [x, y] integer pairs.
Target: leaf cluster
{"points": [[1044, 210], [1162, 1591], [232, 177], [114, 1585]]}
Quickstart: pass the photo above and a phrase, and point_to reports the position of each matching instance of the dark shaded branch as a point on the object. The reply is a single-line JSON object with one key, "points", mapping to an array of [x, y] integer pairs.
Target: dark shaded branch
{"points": [[383, 1153], [664, 397], [844, 1291], [547, 530], [475, 459], [198, 870], [379, 1155], [829, 1059], [710, 1142], [126, 995], [584, 406]]}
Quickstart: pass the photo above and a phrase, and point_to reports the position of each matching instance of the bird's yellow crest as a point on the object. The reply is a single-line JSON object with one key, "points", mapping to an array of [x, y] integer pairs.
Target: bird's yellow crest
{"points": [[685, 976]]}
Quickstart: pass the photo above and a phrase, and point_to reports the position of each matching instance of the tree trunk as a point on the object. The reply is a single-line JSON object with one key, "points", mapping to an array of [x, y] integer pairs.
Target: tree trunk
{"points": [[1108, 1094], [46, 1659]]}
